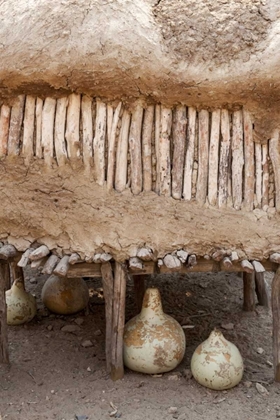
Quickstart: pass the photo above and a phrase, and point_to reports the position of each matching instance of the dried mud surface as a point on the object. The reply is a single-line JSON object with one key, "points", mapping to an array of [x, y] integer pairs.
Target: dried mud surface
{"points": [[52, 376]]}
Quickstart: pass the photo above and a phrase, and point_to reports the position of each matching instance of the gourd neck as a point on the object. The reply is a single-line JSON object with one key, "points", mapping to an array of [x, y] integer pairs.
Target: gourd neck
{"points": [[151, 306]]}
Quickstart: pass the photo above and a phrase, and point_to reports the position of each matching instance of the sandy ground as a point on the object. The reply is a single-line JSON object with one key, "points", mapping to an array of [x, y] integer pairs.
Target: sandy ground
{"points": [[52, 376]]}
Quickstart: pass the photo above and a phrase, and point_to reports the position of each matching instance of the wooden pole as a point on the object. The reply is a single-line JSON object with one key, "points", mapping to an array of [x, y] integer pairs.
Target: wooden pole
{"points": [[87, 124], [48, 114], [28, 129], [265, 179], [237, 159], [4, 353], [139, 291], [249, 291], [275, 304], [189, 160], [135, 149], [5, 113], [274, 155], [15, 126], [72, 134], [203, 156], [262, 290], [249, 176], [165, 152], [117, 369], [38, 135], [59, 131], [157, 138], [108, 289], [99, 142], [122, 149], [147, 147], [224, 158], [214, 157], [258, 166], [179, 144], [112, 147]]}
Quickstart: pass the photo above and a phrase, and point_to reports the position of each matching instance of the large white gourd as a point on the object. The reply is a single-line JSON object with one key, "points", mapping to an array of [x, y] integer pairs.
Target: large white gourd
{"points": [[65, 296], [21, 306], [217, 363], [153, 341]]}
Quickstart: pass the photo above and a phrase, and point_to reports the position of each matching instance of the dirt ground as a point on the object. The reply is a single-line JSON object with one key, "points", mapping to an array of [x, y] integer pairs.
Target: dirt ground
{"points": [[52, 376]]}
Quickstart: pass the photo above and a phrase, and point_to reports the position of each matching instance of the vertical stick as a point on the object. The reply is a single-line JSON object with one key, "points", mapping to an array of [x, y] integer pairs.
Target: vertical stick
{"points": [[179, 141], [258, 166], [214, 157], [4, 354], [157, 137], [224, 158], [5, 113], [117, 370], [249, 291], [15, 126], [147, 147], [48, 129], [265, 179], [187, 189], [275, 304], [203, 155], [28, 128], [237, 159], [108, 289], [139, 291], [262, 290], [87, 130], [38, 113], [99, 142], [110, 115], [249, 179], [164, 152], [59, 131], [275, 160], [72, 134], [135, 149], [112, 147], [122, 149]]}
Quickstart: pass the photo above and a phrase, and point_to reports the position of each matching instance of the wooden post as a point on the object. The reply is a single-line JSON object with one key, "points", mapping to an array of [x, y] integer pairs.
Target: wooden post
{"points": [[59, 131], [28, 129], [165, 152], [249, 291], [117, 370], [4, 354], [274, 155], [15, 126], [265, 178], [108, 289], [87, 124], [237, 159], [99, 142], [203, 156], [112, 148], [38, 136], [157, 137], [48, 114], [275, 304], [17, 272], [249, 176], [214, 157], [5, 113], [189, 160], [122, 149], [179, 142], [139, 291], [72, 133], [147, 147], [224, 158], [262, 290], [258, 167], [135, 149]]}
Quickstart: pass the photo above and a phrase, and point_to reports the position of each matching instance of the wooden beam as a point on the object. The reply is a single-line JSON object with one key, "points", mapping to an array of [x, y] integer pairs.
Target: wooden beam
{"points": [[249, 291], [4, 354], [139, 291], [108, 290], [262, 290], [275, 304]]}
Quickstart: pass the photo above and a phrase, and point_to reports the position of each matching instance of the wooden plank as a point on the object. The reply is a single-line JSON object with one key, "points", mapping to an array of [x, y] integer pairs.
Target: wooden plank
{"points": [[275, 304]]}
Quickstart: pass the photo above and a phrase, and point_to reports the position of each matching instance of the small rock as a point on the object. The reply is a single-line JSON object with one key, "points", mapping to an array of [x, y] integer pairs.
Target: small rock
{"points": [[269, 363], [172, 410], [33, 280], [88, 369], [70, 328], [82, 417], [229, 326], [79, 321], [187, 373], [261, 389], [97, 332], [174, 377], [52, 391], [247, 384], [87, 343], [50, 327], [260, 350]]}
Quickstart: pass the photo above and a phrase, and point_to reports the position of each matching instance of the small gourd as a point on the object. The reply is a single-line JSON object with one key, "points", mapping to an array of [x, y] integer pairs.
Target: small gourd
{"points": [[21, 306], [217, 363], [65, 296], [153, 341]]}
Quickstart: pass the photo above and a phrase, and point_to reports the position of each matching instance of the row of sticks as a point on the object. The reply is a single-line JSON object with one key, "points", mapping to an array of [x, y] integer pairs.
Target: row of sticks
{"points": [[179, 152], [52, 264]]}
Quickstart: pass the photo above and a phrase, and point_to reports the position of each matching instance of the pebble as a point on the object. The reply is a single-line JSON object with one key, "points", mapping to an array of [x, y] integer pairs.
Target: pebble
{"points": [[79, 321], [50, 327], [247, 384], [261, 389], [70, 328], [52, 391], [97, 332], [89, 369], [174, 377], [187, 373], [172, 410], [87, 343], [269, 363], [260, 350], [229, 326], [33, 280]]}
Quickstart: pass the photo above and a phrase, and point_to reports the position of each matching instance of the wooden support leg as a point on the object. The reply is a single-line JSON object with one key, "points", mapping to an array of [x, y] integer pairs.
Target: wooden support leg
{"points": [[108, 290], [275, 304], [16, 272], [249, 291], [139, 291], [4, 285], [262, 290]]}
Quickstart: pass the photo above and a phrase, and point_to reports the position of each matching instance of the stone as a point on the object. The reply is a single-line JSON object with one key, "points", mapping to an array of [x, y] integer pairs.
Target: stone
{"points": [[260, 350], [172, 410], [97, 333], [33, 280], [247, 384], [70, 328], [87, 343], [79, 321], [50, 327], [228, 327], [261, 389], [187, 373]]}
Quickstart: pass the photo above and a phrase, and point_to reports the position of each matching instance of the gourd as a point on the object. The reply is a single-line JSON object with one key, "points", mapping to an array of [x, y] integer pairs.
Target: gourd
{"points": [[64, 295], [21, 305], [153, 341], [217, 363]]}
